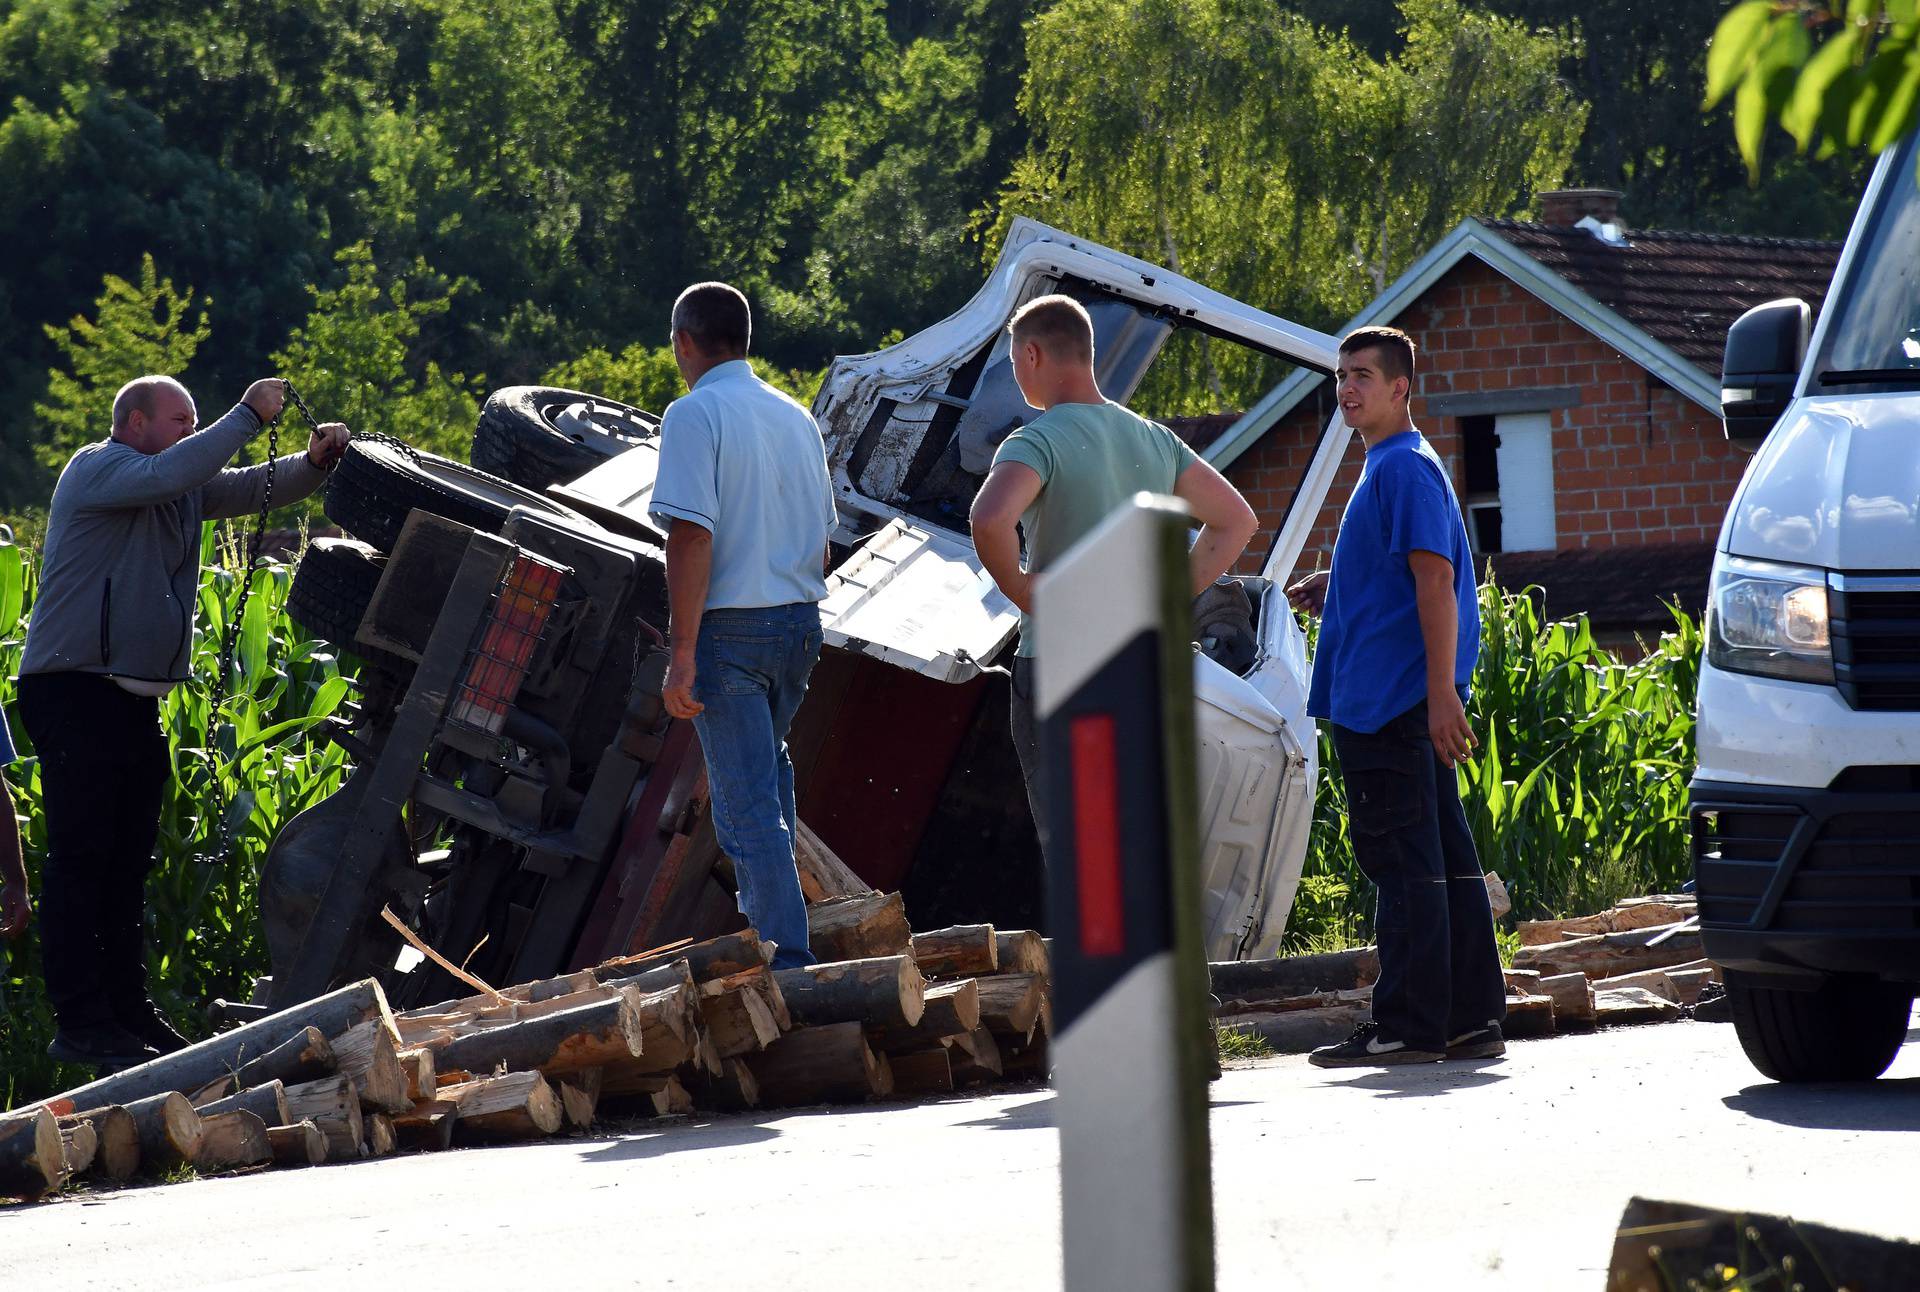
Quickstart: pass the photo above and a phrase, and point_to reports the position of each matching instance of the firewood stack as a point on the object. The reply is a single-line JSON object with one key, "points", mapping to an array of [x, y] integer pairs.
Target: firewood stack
{"points": [[1637, 962], [709, 1026]]}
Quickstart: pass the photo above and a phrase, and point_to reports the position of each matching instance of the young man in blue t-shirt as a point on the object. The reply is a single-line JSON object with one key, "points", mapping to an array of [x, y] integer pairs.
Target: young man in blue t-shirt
{"points": [[1399, 634]]}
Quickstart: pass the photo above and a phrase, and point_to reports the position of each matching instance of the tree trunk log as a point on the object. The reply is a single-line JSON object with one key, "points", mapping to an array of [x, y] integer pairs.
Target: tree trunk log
{"points": [[586, 1036], [428, 1128], [734, 1090], [671, 1099], [1528, 1016], [300, 1144], [859, 928], [579, 1097], [118, 1155], [738, 1022], [1021, 951], [883, 992], [715, 958], [1028, 1060], [332, 1104], [1607, 955], [922, 1072], [818, 1065], [1572, 995], [169, 1130], [1297, 1031], [961, 951], [267, 1102], [1619, 919], [1632, 1005], [191, 1070], [33, 1158], [975, 1058], [1010, 1003], [952, 1009], [520, 1105], [369, 1054], [81, 1144], [822, 874], [304, 1056], [421, 1072], [1255, 980], [381, 1138], [231, 1141]]}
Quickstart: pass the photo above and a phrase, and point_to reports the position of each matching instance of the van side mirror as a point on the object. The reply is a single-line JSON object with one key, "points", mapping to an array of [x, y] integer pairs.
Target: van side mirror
{"points": [[1765, 347]]}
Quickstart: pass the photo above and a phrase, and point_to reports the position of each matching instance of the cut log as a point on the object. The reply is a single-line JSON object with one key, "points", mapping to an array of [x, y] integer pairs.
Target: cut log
{"points": [[579, 1096], [1607, 955], [887, 991], [1692, 983], [1028, 1060], [671, 1099], [191, 1070], [818, 1065], [80, 1144], [586, 1036], [169, 1130], [231, 1142], [922, 1072], [976, 1058], [961, 951], [422, 1072], [299, 1144], [33, 1157], [715, 958], [952, 1009], [1021, 951], [704, 1062], [381, 1139], [670, 1027], [519, 1105], [1528, 1016], [428, 1128], [304, 1056], [822, 874], [267, 1102], [1300, 1030], [1253, 980], [370, 1055], [333, 1105], [739, 1022], [1523, 982], [1632, 1005], [859, 928], [734, 1090], [1648, 980], [1010, 1003], [1572, 995], [117, 1156], [1497, 897], [1619, 919]]}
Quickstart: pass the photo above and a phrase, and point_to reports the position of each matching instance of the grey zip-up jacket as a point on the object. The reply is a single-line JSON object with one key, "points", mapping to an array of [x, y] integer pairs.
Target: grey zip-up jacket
{"points": [[121, 567]]}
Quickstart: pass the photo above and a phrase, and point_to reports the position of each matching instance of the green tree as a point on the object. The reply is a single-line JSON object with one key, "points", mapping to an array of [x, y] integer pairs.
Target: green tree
{"points": [[138, 328], [647, 377], [359, 357]]}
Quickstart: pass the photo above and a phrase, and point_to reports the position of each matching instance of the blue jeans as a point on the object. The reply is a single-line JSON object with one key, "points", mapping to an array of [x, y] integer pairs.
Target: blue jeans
{"points": [[750, 671]]}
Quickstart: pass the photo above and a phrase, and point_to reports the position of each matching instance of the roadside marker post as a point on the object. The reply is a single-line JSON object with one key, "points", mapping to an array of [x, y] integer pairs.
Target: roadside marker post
{"points": [[1114, 699]]}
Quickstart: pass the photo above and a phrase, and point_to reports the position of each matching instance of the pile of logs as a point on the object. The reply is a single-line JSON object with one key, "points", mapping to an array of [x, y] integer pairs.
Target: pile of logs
{"points": [[1638, 962], [887, 1013]]}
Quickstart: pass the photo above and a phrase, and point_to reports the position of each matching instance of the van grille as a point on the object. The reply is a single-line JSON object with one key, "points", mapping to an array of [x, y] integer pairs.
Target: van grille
{"points": [[1856, 869], [1875, 622]]}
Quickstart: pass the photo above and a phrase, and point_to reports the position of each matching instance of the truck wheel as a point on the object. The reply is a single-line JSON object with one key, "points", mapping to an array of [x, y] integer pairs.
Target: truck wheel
{"points": [[1847, 1030], [377, 484], [332, 588], [537, 436]]}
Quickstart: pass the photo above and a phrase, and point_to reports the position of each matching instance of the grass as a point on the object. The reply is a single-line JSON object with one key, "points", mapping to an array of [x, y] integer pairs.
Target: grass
{"points": [[1242, 1043]]}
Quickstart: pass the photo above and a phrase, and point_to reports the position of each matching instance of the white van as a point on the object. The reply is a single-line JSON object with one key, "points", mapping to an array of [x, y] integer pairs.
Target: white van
{"points": [[1806, 803]]}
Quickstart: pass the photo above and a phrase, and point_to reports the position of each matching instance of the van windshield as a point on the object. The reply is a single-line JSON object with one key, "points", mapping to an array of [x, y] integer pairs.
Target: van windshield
{"points": [[1873, 341]]}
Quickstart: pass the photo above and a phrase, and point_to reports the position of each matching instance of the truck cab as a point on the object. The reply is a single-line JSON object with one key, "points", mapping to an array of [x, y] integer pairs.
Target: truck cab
{"points": [[1805, 806]]}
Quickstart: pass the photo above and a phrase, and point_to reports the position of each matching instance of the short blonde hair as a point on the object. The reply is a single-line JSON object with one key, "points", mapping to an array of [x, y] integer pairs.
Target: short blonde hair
{"points": [[1060, 325]]}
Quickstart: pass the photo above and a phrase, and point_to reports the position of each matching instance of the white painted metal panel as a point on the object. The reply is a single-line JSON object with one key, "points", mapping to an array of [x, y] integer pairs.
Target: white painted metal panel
{"points": [[920, 599], [1525, 462]]}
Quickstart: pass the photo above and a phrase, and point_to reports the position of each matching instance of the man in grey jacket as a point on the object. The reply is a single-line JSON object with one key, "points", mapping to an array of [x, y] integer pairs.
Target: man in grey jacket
{"points": [[111, 634]]}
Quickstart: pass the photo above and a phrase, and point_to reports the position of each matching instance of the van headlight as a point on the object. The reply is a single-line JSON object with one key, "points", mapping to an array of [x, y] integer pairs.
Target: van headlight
{"points": [[1770, 620]]}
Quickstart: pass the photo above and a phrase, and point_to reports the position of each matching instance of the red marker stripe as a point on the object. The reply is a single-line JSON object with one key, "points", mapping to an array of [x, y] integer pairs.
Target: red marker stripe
{"points": [[1096, 831]]}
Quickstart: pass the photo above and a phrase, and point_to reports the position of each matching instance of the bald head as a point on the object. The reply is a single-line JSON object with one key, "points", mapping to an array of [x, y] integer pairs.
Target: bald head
{"points": [[140, 396]]}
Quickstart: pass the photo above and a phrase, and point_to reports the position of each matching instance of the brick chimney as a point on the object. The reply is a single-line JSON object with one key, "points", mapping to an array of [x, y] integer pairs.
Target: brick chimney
{"points": [[1565, 207]]}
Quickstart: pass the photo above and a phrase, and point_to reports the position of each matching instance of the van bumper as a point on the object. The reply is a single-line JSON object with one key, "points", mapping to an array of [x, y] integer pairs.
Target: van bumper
{"points": [[1796, 883]]}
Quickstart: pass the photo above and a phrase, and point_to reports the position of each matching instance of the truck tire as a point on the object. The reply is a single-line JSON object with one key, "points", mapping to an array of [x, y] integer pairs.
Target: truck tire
{"points": [[537, 436], [377, 484], [1847, 1030], [332, 588]]}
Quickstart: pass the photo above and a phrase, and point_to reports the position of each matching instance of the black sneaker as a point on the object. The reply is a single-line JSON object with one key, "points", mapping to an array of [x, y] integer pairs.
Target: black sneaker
{"points": [[1480, 1043], [1371, 1046], [152, 1027], [107, 1046]]}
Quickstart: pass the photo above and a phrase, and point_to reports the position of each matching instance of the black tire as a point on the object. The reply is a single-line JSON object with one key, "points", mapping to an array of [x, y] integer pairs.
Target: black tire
{"points": [[537, 436], [377, 484], [332, 588], [1849, 1029]]}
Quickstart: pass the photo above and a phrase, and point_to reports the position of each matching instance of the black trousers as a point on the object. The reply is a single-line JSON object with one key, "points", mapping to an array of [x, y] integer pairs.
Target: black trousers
{"points": [[103, 771], [1026, 739], [1439, 963]]}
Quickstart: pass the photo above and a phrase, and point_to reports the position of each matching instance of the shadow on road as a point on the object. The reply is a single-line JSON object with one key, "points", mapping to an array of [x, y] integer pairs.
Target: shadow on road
{"points": [[1850, 1105], [677, 1139], [1426, 1080], [1037, 1115]]}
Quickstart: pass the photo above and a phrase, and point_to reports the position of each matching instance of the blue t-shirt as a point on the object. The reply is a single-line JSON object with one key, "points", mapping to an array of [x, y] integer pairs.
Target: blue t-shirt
{"points": [[1371, 663], [7, 752]]}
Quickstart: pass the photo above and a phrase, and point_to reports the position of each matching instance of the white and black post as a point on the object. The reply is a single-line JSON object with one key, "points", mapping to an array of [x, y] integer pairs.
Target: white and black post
{"points": [[1114, 699]]}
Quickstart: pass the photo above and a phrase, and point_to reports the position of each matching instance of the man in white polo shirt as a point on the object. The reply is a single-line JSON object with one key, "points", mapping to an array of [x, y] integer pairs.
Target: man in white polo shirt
{"points": [[742, 494]]}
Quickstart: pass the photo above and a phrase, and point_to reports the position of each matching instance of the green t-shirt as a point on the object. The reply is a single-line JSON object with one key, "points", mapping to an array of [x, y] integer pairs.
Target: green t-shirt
{"points": [[1090, 458]]}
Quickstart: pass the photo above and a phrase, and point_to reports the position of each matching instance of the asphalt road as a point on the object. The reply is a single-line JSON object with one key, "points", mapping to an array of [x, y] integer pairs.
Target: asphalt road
{"points": [[1501, 1174]]}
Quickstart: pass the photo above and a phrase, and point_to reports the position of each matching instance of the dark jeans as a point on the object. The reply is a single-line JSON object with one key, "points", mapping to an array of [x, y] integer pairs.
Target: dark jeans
{"points": [[750, 671], [1439, 963], [1026, 740], [103, 770]]}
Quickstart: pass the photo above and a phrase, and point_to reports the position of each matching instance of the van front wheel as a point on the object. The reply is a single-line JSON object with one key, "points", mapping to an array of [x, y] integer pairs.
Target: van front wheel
{"points": [[1848, 1029]]}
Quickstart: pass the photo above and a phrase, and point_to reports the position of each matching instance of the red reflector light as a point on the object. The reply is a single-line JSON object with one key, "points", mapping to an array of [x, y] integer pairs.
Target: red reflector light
{"points": [[1096, 833]]}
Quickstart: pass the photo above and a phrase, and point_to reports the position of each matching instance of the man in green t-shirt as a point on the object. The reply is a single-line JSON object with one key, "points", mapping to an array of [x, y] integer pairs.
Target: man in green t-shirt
{"points": [[1063, 473]]}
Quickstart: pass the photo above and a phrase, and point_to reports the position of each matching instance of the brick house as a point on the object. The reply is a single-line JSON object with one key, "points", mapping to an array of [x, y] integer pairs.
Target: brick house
{"points": [[1568, 375]]}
